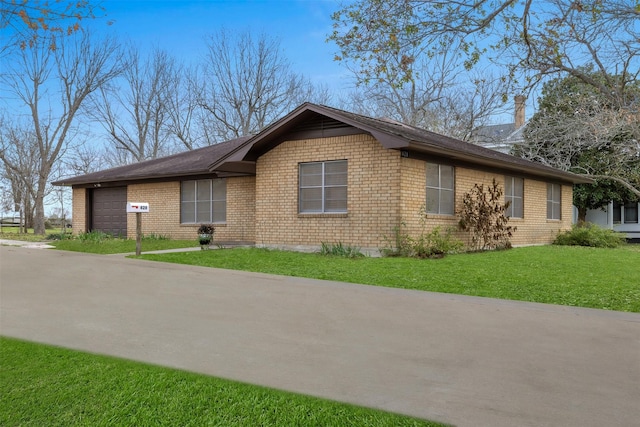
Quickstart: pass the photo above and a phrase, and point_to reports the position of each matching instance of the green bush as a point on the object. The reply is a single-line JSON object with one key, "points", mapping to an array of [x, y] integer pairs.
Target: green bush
{"points": [[154, 236], [60, 236], [338, 249], [434, 244], [400, 245], [589, 234], [94, 237]]}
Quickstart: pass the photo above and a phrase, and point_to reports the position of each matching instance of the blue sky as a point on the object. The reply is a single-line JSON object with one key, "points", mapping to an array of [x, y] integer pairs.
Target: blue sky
{"points": [[179, 27]]}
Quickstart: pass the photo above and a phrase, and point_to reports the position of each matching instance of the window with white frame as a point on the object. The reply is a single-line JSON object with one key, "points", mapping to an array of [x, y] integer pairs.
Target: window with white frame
{"points": [[323, 187], [625, 213], [440, 189], [554, 204], [203, 201], [514, 194], [631, 213]]}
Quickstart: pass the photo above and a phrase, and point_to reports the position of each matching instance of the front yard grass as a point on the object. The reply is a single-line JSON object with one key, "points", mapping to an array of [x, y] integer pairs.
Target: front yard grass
{"points": [[41, 385], [566, 275], [119, 246], [12, 233]]}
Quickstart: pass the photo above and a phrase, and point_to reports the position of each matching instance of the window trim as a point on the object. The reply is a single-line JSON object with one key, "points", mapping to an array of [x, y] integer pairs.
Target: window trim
{"points": [[622, 211], [440, 189], [213, 200], [634, 206], [511, 197], [553, 201], [323, 186]]}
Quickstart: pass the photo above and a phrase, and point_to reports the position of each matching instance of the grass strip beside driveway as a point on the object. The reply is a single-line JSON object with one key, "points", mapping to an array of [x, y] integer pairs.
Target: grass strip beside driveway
{"points": [[121, 246], [566, 275], [41, 385]]}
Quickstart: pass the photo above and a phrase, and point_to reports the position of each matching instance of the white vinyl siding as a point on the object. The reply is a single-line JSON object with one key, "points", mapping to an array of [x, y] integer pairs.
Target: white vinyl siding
{"points": [[626, 213], [323, 187]]}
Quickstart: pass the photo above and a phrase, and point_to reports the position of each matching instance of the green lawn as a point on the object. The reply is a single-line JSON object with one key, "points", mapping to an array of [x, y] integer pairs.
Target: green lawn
{"points": [[42, 385], [12, 233], [567, 275], [104, 246], [119, 246]]}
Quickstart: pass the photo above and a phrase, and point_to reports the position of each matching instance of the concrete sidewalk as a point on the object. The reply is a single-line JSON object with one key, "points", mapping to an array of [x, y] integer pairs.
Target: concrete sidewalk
{"points": [[461, 360], [23, 244]]}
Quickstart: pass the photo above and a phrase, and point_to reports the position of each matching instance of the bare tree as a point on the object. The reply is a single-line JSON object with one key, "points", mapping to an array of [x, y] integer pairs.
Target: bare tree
{"points": [[84, 159], [25, 21], [437, 97], [20, 165], [53, 85], [185, 121], [247, 83], [134, 109]]}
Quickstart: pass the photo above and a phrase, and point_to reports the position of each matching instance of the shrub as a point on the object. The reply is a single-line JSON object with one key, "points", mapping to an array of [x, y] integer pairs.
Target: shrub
{"points": [[94, 237], [206, 229], [434, 244], [338, 249], [60, 236], [400, 245], [588, 234], [483, 216], [154, 236]]}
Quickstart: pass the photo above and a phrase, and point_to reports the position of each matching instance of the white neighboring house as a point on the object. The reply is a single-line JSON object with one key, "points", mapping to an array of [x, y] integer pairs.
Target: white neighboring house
{"points": [[503, 136], [624, 218], [619, 217]]}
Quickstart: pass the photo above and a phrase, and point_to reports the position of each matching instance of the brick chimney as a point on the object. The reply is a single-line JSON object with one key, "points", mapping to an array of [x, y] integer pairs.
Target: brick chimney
{"points": [[519, 113]]}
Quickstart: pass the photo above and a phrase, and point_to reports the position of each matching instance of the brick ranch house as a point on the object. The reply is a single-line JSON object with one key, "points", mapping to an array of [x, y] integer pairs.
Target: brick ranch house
{"points": [[321, 175]]}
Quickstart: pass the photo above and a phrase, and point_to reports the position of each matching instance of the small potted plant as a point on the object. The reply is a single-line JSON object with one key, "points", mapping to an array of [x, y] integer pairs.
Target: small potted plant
{"points": [[205, 235]]}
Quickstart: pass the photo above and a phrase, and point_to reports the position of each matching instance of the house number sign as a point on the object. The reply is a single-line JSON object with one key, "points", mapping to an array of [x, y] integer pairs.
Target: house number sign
{"points": [[136, 207]]}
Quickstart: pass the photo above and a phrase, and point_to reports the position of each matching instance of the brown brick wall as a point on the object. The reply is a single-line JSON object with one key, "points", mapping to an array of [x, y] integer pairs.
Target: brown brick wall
{"points": [[163, 217], [372, 201], [534, 228], [384, 190], [79, 216], [164, 211]]}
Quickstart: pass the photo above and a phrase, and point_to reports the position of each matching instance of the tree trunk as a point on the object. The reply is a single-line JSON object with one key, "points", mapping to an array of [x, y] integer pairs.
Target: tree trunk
{"points": [[28, 213], [38, 224], [582, 215]]}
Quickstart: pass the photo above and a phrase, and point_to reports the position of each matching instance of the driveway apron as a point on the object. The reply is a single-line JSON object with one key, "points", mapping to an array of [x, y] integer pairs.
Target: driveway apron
{"points": [[462, 360]]}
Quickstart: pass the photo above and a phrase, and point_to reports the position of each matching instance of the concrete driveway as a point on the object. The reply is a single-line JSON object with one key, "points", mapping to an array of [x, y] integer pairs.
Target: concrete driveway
{"points": [[461, 360]]}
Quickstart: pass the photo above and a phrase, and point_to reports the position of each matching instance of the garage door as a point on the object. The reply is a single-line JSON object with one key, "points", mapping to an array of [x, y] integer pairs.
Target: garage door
{"points": [[109, 210]]}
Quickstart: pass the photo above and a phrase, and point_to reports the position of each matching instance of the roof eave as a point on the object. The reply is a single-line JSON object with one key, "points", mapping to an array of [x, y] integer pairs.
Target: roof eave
{"points": [[533, 169], [71, 182]]}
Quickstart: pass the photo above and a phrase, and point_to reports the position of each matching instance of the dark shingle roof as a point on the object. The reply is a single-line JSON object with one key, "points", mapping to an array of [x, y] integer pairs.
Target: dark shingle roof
{"points": [[194, 162], [396, 135], [494, 133], [234, 156]]}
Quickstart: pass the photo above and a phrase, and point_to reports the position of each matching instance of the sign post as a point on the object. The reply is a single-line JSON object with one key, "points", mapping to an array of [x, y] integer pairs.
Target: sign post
{"points": [[138, 208]]}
